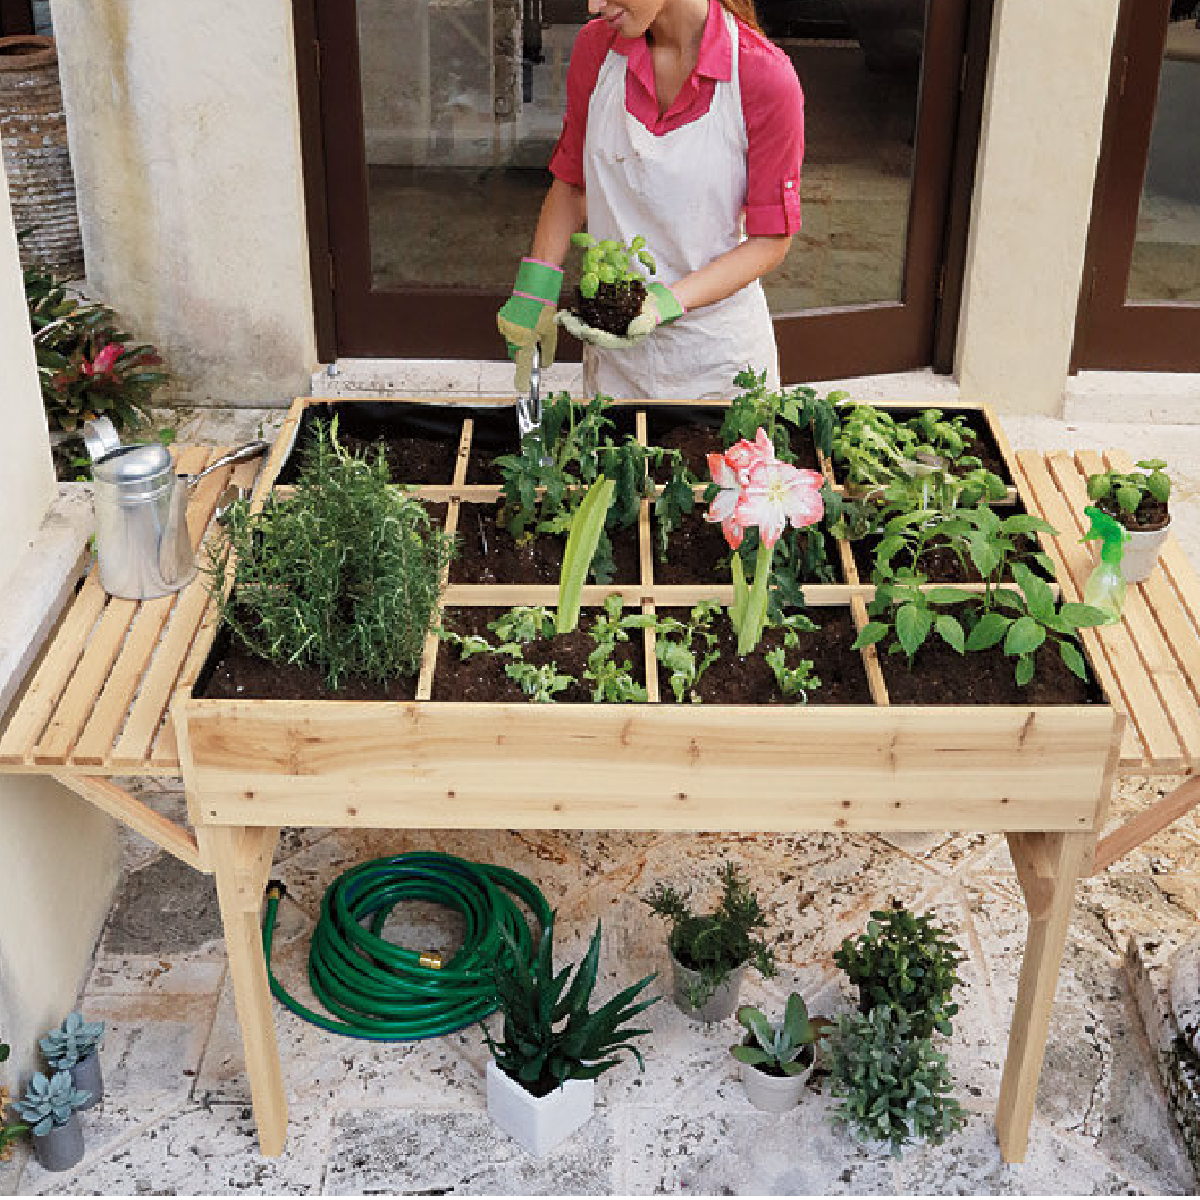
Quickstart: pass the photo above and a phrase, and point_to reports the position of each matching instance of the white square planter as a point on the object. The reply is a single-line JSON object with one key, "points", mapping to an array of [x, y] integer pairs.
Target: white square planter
{"points": [[538, 1123]]}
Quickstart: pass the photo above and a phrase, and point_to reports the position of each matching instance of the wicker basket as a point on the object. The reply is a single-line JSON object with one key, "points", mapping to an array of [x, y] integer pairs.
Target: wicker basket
{"points": [[33, 129]]}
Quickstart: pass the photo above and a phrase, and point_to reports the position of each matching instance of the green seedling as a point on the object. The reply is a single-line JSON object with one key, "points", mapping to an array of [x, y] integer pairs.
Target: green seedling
{"points": [[611, 261]]}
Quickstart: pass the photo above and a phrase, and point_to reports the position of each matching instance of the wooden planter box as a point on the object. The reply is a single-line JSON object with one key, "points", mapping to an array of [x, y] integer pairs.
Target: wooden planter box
{"points": [[429, 764]]}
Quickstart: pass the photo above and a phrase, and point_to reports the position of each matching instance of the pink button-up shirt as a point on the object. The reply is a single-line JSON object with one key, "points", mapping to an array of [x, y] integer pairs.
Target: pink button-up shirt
{"points": [[772, 104]]}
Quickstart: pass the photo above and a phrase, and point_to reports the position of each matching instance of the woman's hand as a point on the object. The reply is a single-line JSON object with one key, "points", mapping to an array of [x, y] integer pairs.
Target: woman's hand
{"points": [[660, 307], [526, 319]]}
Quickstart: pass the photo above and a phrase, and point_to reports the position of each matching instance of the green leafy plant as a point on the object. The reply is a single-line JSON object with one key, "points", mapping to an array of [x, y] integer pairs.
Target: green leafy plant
{"points": [[610, 261], [792, 410], [687, 649], [49, 1102], [1021, 620], [894, 1087], [906, 962], [779, 1048], [540, 684], [549, 1034], [10, 1131], [716, 943], [794, 682], [1137, 498], [344, 575], [71, 1042], [557, 463], [87, 365], [874, 449]]}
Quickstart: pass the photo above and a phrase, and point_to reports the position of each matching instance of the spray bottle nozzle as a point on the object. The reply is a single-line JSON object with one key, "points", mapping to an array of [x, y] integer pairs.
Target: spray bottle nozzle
{"points": [[1110, 532]]}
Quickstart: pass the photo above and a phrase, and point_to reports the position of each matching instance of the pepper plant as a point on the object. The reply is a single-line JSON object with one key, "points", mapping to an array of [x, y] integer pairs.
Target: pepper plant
{"points": [[1134, 497]]}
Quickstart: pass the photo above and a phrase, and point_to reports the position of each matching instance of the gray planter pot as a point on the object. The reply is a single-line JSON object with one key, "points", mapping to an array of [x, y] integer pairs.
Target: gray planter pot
{"points": [[720, 1005], [62, 1147], [86, 1076]]}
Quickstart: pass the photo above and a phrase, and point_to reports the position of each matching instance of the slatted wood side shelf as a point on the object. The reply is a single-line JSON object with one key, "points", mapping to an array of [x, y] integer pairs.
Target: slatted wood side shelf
{"points": [[97, 702]]}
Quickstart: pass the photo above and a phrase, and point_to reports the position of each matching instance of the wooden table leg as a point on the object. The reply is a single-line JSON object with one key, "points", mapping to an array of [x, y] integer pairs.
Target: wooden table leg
{"points": [[241, 860], [1047, 865]]}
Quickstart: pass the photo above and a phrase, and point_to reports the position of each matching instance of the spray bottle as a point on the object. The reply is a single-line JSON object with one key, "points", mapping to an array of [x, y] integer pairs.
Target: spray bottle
{"points": [[1105, 589]]}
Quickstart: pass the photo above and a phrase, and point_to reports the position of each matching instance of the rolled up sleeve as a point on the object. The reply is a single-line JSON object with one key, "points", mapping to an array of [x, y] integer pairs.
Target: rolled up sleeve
{"points": [[587, 55], [773, 106]]}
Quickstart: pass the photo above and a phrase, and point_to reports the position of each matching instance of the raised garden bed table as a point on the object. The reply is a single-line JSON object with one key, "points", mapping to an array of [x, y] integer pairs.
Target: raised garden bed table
{"points": [[1041, 776]]}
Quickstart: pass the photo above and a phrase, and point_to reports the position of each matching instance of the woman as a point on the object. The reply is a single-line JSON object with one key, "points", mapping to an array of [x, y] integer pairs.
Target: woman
{"points": [[682, 119]]}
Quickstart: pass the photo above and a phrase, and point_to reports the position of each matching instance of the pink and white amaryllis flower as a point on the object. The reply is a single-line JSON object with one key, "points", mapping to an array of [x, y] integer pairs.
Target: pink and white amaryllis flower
{"points": [[731, 473], [776, 493]]}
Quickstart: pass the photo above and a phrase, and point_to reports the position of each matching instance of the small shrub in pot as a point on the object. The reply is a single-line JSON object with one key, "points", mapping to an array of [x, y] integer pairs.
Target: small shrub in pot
{"points": [[893, 1085], [907, 963], [710, 950]]}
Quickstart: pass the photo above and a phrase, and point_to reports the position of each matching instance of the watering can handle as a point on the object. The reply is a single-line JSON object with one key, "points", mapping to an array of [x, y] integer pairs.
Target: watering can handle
{"points": [[241, 454], [100, 437]]}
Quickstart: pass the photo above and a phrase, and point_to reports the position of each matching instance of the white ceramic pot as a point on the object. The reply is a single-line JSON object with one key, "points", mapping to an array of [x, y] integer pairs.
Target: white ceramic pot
{"points": [[1141, 553], [719, 1006], [538, 1123], [773, 1093]]}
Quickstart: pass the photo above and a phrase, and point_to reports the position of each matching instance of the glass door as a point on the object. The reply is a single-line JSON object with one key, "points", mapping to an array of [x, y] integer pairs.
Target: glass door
{"points": [[439, 117], [1140, 307]]}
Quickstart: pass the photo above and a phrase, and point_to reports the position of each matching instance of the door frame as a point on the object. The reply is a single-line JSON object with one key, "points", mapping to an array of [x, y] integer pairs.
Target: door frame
{"points": [[1112, 333], [917, 331]]}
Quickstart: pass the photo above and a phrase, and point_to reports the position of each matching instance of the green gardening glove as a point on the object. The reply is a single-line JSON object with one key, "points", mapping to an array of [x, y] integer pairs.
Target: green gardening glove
{"points": [[527, 318], [659, 308]]}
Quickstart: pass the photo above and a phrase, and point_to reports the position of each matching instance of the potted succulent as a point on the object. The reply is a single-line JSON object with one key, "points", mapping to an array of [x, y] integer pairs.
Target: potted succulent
{"points": [[905, 962], [710, 951], [776, 1058], [74, 1047], [541, 1080], [1139, 499], [9, 1130], [50, 1107]]}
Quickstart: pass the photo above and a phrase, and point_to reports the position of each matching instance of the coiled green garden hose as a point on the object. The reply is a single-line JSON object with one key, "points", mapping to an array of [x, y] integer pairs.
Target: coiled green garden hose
{"points": [[386, 993]]}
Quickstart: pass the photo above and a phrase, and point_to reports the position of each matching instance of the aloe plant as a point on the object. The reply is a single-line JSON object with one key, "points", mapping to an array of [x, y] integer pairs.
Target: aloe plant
{"points": [[549, 1035], [49, 1102], [783, 1048], [71, 1042]]}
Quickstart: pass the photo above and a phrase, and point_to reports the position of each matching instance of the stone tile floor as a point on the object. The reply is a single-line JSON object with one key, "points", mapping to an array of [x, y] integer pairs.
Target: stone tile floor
{"points": [[411, 1118]]}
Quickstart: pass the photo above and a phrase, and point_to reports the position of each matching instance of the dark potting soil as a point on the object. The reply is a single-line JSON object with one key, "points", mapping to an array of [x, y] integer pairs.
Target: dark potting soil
{"points": [[613, 306], [939, 563], [940, 675], [734, 680], [233, 673], [409, 459], [698, 441], [697, 552], [489, 554], [1149, 517], [482, 676]]}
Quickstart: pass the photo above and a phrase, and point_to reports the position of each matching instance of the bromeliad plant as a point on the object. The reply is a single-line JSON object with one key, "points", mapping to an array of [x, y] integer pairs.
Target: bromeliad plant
{"points": [[10, 1131], [716, 943], [755, 489], [87, 365], [549, 1034], [906, 962], [344, 575]]}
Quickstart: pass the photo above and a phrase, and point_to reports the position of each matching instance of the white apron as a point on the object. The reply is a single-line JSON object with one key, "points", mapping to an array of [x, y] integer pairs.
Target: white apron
{"points": [[684, 193]]}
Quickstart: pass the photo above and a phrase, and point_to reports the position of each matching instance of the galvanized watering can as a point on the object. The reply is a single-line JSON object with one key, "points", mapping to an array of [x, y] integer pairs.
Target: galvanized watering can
{"points": [[143, 548]]}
